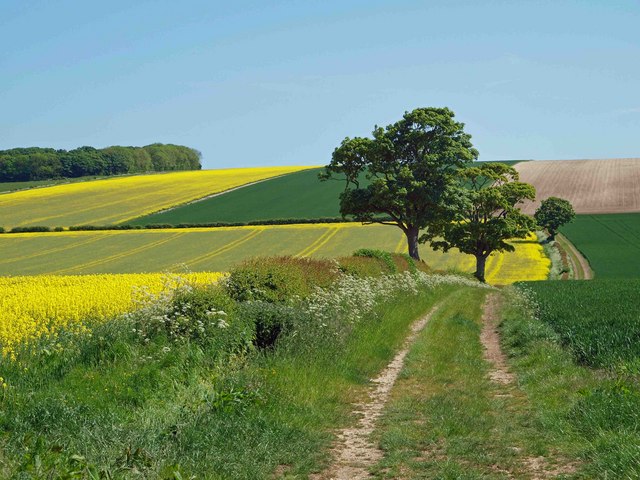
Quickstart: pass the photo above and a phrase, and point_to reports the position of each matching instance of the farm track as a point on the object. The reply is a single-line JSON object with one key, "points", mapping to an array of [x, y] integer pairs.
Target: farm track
{"points": [[354, 452], [579, 264], [592, 186], [536, 468]]}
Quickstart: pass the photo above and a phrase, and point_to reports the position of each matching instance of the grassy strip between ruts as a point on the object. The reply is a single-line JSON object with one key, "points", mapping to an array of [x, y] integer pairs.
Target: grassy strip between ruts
{"points": [[110, 404], [447, 420]]}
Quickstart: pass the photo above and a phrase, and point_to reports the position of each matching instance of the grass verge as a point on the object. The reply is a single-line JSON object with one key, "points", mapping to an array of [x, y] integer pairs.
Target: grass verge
{"points": [[111, 406], [592, 414]]}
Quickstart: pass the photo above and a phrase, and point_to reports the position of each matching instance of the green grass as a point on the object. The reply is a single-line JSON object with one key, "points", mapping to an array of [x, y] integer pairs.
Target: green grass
{"points": [[610, 242], [598, 320], [444, 419], [112, 403], [297, 195], [592, 413]]}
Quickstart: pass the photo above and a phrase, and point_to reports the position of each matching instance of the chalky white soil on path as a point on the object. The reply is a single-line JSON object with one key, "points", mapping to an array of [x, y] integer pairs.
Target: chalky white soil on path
{"points": [[354, 452]]}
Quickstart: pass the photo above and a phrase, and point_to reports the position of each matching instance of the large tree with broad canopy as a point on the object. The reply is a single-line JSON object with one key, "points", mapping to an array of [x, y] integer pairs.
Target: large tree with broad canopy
{"points": [[412, 167]]}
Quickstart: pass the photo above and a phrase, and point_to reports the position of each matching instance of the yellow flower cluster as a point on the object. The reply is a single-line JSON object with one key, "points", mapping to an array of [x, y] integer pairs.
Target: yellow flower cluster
{"points": [[527, 263], [40, 305], [120, 199]]}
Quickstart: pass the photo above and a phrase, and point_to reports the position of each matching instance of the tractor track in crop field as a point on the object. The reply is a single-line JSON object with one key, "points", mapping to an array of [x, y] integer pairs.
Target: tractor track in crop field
{"points": [[536, 468], [354, 452]]}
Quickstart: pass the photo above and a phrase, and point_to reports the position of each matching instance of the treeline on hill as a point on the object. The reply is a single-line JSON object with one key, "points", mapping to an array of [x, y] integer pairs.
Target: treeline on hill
{"points": [[35, 163]]}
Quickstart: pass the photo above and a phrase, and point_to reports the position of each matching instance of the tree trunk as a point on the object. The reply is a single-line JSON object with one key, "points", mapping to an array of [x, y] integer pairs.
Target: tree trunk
{"points": [[481, 262], [412, 241], [552, 235]]}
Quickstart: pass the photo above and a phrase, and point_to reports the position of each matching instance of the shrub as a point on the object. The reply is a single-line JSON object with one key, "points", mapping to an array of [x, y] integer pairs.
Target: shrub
{"points": [[279, 279], [379, 254], [362, 266], [58, 229], [203, 315], [152, 226], [37, 228], [1, 229], [271, 321]]}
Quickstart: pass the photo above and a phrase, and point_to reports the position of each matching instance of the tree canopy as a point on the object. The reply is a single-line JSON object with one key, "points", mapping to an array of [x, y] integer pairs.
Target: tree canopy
{"points": [[488, 215], [553, 213], [34, 163], [411, 165]]}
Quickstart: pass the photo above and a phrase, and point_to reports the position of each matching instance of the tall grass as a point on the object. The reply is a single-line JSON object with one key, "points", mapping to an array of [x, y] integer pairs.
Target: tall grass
{"points": [[182, 389]]}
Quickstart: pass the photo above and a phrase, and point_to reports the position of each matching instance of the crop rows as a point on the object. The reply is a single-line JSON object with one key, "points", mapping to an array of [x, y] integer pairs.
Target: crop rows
{"points": [[221, 248], [118, 200], [611, 243], [598, 320]]}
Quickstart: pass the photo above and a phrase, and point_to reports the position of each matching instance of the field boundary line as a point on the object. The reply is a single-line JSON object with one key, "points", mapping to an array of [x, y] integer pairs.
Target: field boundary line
{"points": [[225, 248], [118, 256], [217, 194], [354, 453]]}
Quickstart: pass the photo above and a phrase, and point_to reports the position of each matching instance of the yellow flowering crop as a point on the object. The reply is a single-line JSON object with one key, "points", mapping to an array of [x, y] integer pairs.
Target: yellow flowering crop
{"points": [[117, 200], [39, 305]]}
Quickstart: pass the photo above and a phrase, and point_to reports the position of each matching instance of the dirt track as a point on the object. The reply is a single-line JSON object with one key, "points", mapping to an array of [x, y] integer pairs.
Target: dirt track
{"points": [[354, 452], [592, 186]]}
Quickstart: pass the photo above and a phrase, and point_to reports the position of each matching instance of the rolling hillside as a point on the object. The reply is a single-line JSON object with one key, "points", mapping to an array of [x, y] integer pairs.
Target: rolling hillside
{"points": [[136, 251], [610, 242], [297, 196], [120, 199], [592, 186]]}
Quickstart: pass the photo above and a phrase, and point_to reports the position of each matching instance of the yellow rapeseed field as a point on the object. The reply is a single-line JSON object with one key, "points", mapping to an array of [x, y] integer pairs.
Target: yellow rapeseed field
{"points": [[32, 306], [118, 200]]}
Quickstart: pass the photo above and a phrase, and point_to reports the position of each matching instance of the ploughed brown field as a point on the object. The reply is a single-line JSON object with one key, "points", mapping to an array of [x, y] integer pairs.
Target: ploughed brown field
{"points": [[592, 186]]}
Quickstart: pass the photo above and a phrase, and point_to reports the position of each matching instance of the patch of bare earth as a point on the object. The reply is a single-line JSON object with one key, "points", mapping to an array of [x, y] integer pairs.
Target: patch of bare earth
{"points": [[592, 186], [536, 468], [354, 452]]}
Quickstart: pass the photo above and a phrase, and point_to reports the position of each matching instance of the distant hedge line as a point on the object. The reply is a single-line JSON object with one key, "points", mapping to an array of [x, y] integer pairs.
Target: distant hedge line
{"points": [[155, 226], [34, 163]]}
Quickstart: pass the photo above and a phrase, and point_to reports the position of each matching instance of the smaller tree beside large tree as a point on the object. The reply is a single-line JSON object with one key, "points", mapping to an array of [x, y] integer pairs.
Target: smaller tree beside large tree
{"points": [[553, 213], [489, 216]]}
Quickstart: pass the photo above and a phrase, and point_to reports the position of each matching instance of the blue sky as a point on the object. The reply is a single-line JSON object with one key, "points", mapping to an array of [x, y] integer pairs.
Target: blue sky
{"points": [[252, 83]]}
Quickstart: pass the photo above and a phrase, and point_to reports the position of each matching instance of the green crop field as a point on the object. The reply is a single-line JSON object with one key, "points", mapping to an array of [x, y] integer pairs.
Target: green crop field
{"points": [[599, 320], [138, 251], [297, 195], [610, 242]]}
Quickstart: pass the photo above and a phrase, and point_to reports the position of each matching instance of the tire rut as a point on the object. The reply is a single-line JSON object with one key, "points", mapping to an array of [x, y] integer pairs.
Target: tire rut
{"points": [[354, 452]]}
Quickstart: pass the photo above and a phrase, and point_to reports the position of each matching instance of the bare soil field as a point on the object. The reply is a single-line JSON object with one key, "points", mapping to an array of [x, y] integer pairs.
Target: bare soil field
{"points": [[592, 186]]}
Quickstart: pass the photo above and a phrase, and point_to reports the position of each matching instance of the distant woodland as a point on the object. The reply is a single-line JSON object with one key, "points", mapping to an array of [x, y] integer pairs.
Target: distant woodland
{"points": [[34, 163]]}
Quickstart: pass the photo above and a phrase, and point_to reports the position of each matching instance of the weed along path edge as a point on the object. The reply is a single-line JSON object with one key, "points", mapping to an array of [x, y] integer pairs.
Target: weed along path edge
{"points": [[354, 452]]}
